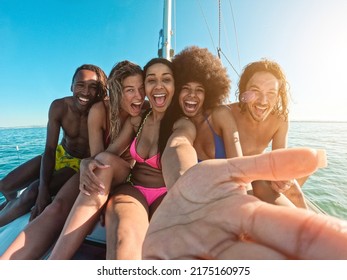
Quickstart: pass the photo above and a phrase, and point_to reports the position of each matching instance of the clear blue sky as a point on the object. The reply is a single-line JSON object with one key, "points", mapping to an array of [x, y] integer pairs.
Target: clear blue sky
{"points": [[42, 42]]}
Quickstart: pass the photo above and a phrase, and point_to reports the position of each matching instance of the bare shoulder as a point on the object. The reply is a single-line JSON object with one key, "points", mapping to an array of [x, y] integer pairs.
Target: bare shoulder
{"points": [[222, 114], [60, 106], [221, 110], [60, 102], [279, 121], [234, 108], [283, 124], [98, 108], [135, 121]]}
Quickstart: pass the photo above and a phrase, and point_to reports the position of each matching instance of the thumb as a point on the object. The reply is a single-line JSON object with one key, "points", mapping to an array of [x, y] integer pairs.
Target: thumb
{"points": [[277, 165]]}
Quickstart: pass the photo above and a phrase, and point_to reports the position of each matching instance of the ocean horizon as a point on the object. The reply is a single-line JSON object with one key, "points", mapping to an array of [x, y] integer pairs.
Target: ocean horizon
{"points": [[292, 120], [327, 187]]}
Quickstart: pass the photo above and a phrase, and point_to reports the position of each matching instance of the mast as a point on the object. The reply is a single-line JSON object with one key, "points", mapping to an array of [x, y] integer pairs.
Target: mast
{"points": [[165, 33]]}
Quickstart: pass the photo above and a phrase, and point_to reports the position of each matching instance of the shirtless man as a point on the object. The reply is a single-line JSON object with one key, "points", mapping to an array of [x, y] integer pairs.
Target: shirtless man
{"points": [[60, 161], [262, 118]]}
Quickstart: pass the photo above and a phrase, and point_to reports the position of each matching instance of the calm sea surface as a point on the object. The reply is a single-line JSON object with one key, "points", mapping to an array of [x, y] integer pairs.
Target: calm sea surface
{"points": [[327, 187]]}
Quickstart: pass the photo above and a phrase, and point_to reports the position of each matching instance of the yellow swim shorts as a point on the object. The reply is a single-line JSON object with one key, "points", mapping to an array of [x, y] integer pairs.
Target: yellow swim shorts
{"points": [[63, 159]]}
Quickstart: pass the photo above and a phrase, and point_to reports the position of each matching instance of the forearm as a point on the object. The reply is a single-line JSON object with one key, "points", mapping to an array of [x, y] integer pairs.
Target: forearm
{"points": [[46, 171], [177, 158]]}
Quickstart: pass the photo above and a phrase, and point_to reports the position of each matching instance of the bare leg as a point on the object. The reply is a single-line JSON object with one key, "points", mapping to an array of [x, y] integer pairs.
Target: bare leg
{"points": [[41, 233], [19, 206], [27, 199], [126, 223], [58, 180], [295, 195], [86, 209], [20, 178], [262, 190], [301, 181], [2, 205]]}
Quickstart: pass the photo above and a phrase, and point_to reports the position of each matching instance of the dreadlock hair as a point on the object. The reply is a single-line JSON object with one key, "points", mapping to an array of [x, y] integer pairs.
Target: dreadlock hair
{"points": [[101, 91], [119, 72], [265, 65]]}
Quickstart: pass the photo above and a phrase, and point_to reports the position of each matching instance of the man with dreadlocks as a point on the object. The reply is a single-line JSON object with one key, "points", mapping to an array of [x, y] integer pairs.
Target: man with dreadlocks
{"points": [[59, 161]]}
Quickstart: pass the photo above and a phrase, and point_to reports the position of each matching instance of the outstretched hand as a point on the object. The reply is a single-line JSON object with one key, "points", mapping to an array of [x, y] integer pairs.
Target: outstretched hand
{"points": [[207, 214]]}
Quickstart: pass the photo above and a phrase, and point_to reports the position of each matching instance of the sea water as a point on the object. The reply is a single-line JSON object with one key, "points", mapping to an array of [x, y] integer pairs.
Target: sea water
{"points": [[327, 187]]}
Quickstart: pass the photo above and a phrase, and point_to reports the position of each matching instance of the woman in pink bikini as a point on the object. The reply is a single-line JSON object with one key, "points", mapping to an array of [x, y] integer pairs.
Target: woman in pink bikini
{"points": [[134, 201]]}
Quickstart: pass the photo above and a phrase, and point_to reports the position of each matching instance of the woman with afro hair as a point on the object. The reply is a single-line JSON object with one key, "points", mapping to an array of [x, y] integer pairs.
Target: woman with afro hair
{"points": [[197, 125]]}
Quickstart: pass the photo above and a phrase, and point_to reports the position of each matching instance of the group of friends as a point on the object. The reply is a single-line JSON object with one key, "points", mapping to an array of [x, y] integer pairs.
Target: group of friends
{"points": [[173, 170]]}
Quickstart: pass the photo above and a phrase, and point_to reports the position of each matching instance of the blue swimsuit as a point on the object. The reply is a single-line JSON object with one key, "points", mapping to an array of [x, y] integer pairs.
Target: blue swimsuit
{"points": [[219, 150]]}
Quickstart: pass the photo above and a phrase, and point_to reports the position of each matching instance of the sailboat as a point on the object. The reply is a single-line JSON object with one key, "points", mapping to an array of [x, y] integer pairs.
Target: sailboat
{"points": [[165, 50], [94, 245]]}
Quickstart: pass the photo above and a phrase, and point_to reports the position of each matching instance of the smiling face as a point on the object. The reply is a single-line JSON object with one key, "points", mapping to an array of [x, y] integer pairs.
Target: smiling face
{"points": [[264, 88], [159, 86], [133, 94], [84, 88], [191, 98]]}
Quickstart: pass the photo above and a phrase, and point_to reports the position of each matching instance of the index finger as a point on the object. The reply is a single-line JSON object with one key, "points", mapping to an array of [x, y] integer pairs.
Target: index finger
{"points": [[232, 174]]}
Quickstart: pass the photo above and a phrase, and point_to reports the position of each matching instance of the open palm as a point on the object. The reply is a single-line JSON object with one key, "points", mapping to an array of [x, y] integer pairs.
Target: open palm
{"points": [[207, 214]]}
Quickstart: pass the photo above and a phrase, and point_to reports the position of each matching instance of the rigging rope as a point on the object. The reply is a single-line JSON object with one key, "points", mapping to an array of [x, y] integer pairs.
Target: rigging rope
{"points": [[208, 28], [235, 32], [219, 48]]}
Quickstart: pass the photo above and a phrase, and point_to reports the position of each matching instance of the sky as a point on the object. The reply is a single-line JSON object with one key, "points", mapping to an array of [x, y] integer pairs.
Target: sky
{"points": [[42, 42]]}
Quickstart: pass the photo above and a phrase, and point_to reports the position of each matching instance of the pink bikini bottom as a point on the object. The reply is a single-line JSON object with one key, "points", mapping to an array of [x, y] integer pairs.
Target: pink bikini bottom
{"points": [[151, 194]]}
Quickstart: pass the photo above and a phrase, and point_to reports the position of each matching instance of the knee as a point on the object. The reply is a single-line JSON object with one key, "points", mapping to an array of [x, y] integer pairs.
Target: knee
{"points": [[5, 188], [263, 190], [125, 231], [129, 241], [30, 193], [111, 159], [57, 209], [106, 157]]}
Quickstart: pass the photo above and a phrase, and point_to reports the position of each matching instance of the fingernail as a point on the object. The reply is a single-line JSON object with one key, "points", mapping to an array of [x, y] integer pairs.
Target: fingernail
{"points": [[322, 158]]}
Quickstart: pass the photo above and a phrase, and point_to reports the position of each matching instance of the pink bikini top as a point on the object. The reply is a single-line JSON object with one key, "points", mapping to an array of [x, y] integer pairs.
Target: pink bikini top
{"points": [[152, 161]]}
